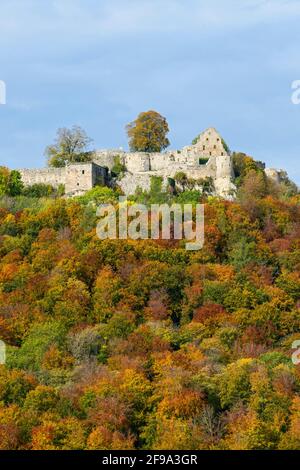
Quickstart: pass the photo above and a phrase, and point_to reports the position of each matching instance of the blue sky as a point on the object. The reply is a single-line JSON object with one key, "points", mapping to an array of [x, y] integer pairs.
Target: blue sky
{"points": [[97, 64]]}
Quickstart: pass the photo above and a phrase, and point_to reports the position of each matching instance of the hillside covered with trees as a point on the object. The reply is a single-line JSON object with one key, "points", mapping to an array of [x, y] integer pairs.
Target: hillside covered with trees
{"points": [[115, 344]]}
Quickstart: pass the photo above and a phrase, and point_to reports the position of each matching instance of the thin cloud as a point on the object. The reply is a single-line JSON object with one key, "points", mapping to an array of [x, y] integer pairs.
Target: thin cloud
{"points": [[87, 18], [199, 62]]}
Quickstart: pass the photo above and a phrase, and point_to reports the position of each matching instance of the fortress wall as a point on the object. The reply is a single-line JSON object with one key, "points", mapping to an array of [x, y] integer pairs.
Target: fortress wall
{"points": [[141, 166], [190, 156], [134, 161], [219, 168], [192, 171], [129, 183], [52, 176], [199, 173], [184, 158], [178, 161], [137, 161], [160, 161], [106, 158], [82, 177], [143, 161]]}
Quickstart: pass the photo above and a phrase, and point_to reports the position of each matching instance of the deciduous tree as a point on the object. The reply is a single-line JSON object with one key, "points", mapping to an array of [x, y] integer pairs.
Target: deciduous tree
{"points": [[148, 133]]}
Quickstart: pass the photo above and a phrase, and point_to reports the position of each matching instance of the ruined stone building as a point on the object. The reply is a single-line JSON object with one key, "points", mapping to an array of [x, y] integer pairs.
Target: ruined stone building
{"points": [[76, 178], [209, 157]]}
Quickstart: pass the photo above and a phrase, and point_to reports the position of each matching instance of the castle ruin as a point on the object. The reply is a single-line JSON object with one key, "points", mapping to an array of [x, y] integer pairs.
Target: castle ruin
{"points": [[76, 178], [209, 157]]}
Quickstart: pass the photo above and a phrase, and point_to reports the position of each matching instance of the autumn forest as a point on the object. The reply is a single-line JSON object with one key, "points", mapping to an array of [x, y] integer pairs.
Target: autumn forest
{"points": [[120, 344]]}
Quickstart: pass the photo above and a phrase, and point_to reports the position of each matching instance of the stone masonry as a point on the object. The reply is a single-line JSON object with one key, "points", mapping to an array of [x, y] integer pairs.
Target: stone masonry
{"points": [[77, 178], [207, 158]]}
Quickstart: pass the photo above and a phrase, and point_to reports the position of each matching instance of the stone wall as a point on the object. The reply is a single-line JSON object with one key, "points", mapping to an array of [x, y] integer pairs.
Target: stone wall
{"points": [[160, 161], [137, 162], [52, 176], [218, 168], [76, 178], [141, 166], [107, 158], [131, 182]]}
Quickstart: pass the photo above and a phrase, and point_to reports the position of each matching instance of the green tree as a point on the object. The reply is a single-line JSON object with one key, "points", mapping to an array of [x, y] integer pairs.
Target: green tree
{"points": [[4, 175], [148, 133], [70, 146], [42, 398], [15, 184], [181, 179], [38, 190], [10, 182], [119, 167], [39, 339], [243, 164], [234, 382]]}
